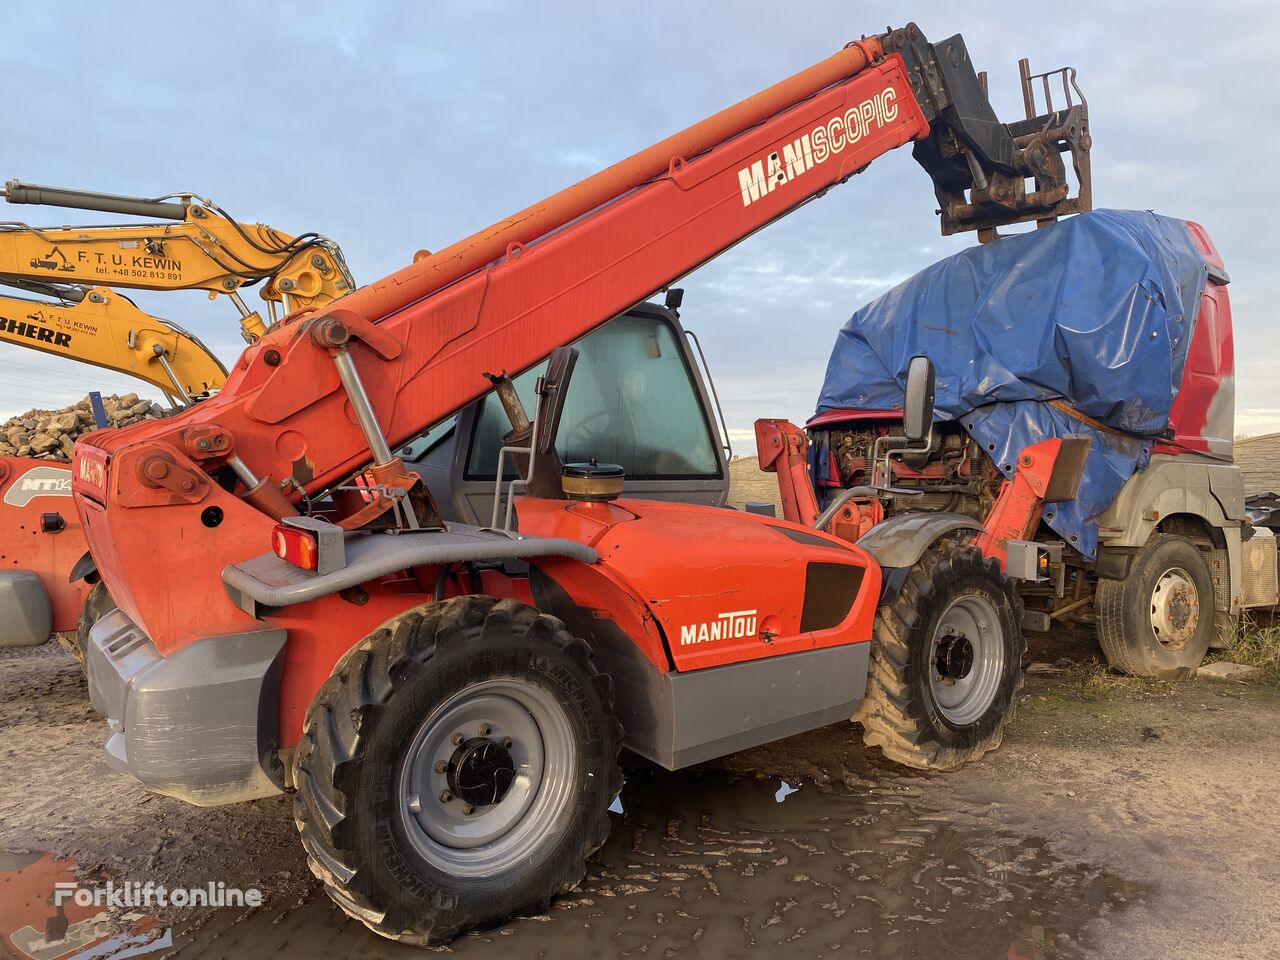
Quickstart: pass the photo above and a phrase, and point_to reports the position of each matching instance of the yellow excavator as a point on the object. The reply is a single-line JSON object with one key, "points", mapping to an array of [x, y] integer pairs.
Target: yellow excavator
{"points": [[66, 302], [196, 245]]}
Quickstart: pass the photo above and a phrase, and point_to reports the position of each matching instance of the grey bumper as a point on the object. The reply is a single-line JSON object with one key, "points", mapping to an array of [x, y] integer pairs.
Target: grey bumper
{"points": [[26, 618], [200, 725]]}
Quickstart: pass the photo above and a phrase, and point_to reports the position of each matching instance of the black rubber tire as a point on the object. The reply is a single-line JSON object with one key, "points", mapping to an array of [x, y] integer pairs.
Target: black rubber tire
{"points": [[1123, 610], [97, 603], [899, 714], [363, 719]]}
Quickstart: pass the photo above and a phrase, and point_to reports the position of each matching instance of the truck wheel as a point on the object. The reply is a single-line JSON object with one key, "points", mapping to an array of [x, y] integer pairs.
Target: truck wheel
{"points": [[1158, 622], [946, 662], [456, 768]]}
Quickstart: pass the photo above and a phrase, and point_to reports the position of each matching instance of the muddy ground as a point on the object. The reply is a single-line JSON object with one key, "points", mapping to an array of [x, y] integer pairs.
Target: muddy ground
{"points": [[1119, 819]]}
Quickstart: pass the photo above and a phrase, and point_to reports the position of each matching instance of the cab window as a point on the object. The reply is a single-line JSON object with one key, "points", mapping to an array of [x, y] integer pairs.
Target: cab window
{"points": [[631, 401]]}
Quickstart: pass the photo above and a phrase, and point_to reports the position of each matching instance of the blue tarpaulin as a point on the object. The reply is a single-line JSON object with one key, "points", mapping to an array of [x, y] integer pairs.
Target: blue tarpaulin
{"points": [[1096, 310]]}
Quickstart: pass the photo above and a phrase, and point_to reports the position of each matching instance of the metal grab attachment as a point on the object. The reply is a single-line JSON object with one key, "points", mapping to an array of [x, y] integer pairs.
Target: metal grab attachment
{"points": [[981, 167]]}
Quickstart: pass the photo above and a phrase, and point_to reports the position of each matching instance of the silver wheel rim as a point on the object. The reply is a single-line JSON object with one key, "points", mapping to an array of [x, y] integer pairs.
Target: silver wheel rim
{"points": [[1175, 608], [506, 723], [972, 620]]}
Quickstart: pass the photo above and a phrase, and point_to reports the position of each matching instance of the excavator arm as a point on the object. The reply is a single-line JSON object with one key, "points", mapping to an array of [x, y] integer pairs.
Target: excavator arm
{"points": [[102, 327], [195, 245]]}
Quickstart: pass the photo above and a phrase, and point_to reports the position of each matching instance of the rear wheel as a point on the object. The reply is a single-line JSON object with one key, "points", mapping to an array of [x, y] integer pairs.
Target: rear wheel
{"points": [[456, 769], [97, 603], [1159, 621], [946, 662]]}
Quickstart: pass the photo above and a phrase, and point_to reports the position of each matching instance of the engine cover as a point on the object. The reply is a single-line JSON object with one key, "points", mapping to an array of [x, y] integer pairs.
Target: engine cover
{"points": [[724, 586]]}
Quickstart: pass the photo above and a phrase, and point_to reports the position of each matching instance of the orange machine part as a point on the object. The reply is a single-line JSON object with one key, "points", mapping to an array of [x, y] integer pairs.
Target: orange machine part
{"points": [[724, 587], [783, 448], [28, 489]]}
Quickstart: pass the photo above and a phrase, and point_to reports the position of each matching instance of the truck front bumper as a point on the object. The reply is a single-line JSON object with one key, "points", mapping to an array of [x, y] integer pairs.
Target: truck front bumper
{"points": [[200, 724]]}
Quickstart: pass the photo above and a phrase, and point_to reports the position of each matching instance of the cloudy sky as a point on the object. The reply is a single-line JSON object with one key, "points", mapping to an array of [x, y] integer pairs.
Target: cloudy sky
{"points": [[398, 126]]}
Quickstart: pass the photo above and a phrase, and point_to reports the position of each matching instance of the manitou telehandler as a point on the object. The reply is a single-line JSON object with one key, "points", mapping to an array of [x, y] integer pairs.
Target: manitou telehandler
{"points": [[380, 571], [67, 304]]}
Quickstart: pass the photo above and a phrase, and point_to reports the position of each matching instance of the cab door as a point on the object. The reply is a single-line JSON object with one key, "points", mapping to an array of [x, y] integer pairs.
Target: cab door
{"points": [[636, 399]]}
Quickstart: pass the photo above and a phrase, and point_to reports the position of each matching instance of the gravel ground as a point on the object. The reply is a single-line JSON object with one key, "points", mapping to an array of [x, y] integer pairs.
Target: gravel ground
{"points": [[1119, 819]]}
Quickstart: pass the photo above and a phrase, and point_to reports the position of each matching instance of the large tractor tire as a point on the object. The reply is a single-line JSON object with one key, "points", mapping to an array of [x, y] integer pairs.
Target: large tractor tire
{"points": [[1158, 622], [456, 769], [946, 662], [97, 603]]}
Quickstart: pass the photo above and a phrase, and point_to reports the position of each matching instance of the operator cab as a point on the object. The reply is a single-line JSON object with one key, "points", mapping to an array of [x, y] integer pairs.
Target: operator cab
{"points": [[637, 400]]}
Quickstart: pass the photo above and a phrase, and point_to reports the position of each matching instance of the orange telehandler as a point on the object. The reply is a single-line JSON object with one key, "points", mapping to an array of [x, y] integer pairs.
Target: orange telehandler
{"points": [[381, 571]]}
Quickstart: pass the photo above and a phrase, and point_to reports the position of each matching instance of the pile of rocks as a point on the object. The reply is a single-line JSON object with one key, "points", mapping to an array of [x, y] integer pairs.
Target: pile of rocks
{"points": [[49, 434]]}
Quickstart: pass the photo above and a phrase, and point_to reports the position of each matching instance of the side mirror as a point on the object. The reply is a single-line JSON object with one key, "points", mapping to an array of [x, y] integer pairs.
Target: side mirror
{"points": [[917, 407]]}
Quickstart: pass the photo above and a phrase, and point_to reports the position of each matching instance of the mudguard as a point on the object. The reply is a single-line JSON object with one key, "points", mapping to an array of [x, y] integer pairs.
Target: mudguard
{"points": [[901, 541]]}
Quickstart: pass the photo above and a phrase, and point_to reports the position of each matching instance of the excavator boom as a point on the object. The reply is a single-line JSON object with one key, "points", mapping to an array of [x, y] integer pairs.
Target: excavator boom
{"points": [[102, 327], [197, 246]]}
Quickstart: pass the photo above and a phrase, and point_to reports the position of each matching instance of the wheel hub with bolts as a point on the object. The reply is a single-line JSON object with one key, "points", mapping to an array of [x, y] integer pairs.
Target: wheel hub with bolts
{"points": [[481, 771], [955, 657], [485, 775], [1175, 608], [967, 659]]}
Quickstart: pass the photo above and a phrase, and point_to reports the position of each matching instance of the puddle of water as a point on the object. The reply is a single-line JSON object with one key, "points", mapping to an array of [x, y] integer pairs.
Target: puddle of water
{"points": [[39, 923], [707, 862]]}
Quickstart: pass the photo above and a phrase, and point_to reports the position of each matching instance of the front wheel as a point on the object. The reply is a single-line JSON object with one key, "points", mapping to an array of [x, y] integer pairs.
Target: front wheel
{"points": [[946, 662], [456, 768]]}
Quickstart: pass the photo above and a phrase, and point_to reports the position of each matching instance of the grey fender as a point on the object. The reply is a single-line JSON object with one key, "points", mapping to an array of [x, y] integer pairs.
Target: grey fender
{"points": [[1187, 485], [1183, 484], [678, 718], [25, 614], [901, 541], [266, 582]]}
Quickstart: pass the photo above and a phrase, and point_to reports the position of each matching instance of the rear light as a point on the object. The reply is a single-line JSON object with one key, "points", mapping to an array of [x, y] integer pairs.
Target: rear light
{"points": [[310, 543], [295, 546]]}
